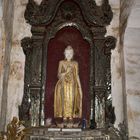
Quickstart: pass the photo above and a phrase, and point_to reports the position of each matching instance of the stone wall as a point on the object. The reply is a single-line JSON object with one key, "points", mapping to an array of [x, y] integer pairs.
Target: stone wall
{"points": [[132, 69], [125, 64], [16, 79], [13, 29], [1, 51], [6, 45], [116, 64]]}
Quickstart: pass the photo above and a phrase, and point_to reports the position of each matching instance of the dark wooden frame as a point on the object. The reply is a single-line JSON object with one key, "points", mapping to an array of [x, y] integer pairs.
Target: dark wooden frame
{"points": [[48, 18]]}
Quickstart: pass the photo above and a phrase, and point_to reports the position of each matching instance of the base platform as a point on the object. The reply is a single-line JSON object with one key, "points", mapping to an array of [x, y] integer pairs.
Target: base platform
{"points": [[65, 134]]}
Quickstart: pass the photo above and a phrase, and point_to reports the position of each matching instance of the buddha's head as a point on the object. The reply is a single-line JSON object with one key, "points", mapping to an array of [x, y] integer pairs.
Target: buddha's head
{"points": [[69, 52]]}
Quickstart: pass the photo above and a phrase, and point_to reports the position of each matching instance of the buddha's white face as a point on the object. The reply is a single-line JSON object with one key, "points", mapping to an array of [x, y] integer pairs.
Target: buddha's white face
{"points": [[68, 54]]}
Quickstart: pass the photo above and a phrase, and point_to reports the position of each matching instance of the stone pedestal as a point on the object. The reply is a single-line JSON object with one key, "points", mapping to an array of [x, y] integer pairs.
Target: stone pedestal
{"points": [[73, 134]]}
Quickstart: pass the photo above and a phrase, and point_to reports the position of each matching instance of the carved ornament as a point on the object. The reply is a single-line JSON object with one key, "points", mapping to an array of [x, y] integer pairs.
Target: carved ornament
{"points": [[44, 13]]}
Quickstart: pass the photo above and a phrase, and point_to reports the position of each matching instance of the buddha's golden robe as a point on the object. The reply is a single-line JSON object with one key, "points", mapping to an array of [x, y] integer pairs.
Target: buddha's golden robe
{"points": [[68, 92]]}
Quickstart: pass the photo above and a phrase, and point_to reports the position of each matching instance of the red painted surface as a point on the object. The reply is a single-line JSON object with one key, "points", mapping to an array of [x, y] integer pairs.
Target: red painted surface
{"points": [[64, 37]]}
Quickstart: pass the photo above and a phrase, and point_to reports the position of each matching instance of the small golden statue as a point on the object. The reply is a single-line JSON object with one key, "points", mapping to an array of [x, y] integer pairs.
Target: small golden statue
{"points": [[15, 130], [68, 92]]}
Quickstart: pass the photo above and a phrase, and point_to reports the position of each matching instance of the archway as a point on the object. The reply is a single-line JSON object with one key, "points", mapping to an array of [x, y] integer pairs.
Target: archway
{"points": [[67, 36]]}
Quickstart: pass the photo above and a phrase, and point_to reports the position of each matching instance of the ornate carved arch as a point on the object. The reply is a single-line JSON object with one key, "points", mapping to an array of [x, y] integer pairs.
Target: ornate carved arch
{"points": [[46, 11]]}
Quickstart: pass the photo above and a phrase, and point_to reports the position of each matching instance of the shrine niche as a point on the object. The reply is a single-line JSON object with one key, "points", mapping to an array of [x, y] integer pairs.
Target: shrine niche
{"points": [[68, 36], [56, 24]]}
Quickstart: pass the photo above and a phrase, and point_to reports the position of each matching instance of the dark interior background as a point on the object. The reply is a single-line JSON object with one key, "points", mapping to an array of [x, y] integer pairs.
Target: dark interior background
{"points": [[67, 36]]}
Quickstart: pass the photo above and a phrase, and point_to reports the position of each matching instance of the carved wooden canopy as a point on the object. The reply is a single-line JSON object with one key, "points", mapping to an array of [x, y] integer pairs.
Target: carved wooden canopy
{"points": [[46, 20], [46, 11]]}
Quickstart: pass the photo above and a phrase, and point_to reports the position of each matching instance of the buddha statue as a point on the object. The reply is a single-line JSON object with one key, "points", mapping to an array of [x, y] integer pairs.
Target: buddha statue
{"points": [[68, 91]]}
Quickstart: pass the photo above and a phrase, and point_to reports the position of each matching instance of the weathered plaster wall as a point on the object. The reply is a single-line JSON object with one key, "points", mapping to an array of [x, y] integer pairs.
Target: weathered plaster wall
{"points": [[12, 58], [16, 78], [132, 69], [7, 31], [116, 64], [1, 50], [125, 64]]}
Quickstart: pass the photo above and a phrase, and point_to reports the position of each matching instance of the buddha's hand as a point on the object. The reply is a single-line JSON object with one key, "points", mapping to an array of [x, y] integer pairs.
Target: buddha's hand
{"points": [[61, 76]]}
